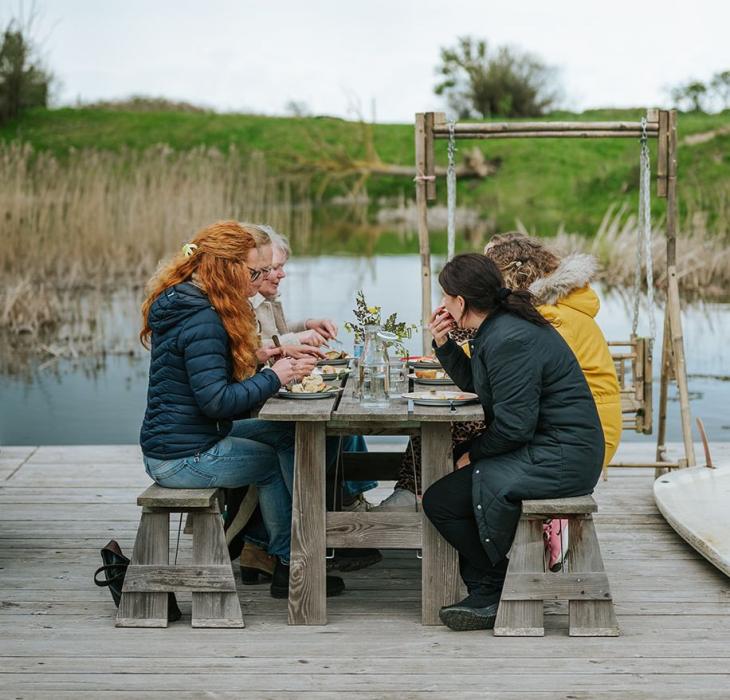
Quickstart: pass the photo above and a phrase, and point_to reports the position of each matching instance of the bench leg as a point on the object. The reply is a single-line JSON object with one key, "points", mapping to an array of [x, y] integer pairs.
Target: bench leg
{"points": [[152, 546], [523, 618], [308, 568], [588, 618], [209, 548], [440, 565]]}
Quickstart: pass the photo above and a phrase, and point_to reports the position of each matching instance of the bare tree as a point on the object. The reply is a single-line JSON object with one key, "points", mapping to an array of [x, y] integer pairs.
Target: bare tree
{"points": [[720, 86], [506, 82]]}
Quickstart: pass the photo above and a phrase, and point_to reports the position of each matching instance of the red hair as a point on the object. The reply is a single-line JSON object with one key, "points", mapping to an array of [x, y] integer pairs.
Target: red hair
{"points": [[219, 265]]}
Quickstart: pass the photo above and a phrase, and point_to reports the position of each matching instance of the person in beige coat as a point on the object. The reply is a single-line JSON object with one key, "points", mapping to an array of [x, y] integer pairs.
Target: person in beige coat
{"points": [[270, 313]]}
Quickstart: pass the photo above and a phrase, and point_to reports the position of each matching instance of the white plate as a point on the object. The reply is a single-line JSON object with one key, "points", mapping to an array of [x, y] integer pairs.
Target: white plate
{"points": [[441, 398], [284, 394], [444, 381]]}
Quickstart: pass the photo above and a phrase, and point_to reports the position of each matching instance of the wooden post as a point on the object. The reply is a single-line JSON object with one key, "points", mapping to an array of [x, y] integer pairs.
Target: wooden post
{"points": [[307, 573], [423, 241], [430, 169], [661, 154], [661, 455], [680, 367], [439, 573]]}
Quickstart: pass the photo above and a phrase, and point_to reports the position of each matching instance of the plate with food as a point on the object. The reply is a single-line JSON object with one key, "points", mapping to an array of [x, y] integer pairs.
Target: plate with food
{"points": [[424, 362], [311, 387], [431, 376], [440, 398], [330, 372], [335, 357]]}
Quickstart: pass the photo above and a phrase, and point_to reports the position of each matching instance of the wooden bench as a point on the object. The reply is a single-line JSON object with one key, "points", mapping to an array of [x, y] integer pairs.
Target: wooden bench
{"points": [[584, 584], [150, 577]]}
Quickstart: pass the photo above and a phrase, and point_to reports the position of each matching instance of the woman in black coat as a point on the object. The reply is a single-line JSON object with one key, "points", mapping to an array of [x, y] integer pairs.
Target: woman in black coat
{"points": [[543, 437]]}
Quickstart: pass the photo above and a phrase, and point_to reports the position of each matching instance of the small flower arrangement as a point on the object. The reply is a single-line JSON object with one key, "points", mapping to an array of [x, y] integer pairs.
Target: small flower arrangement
{"points": [[371, 316]]}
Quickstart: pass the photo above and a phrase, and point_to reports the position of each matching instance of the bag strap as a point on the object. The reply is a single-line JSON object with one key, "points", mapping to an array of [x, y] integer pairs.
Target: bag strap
{"points": [[108, 581]]}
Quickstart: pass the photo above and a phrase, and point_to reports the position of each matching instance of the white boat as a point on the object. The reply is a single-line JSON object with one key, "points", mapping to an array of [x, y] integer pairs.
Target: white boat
{"points": [[696, 503]]}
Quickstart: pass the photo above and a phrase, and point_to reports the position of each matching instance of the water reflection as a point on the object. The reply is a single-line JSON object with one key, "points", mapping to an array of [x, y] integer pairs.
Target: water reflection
{"points": [[90, 385]]}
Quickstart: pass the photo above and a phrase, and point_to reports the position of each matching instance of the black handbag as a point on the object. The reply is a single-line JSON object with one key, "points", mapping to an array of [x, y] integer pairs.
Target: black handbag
{"points": [[114, 568]]}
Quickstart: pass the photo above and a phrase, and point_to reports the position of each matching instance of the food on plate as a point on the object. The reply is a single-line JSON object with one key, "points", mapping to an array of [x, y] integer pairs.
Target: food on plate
{"points": [[430, 374], [336, 355], [311, 384]]}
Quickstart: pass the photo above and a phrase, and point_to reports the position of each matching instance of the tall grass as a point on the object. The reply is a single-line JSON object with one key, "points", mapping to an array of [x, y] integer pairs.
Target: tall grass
{"points": [[703, 257], [100, 216]]}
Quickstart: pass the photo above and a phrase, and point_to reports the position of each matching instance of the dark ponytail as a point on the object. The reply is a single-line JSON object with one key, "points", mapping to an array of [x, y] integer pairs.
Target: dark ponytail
{"points": [[479, 282]]}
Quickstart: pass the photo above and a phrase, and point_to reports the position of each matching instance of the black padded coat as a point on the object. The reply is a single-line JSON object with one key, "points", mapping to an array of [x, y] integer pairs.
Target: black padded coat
{"points": [[543, 436]]}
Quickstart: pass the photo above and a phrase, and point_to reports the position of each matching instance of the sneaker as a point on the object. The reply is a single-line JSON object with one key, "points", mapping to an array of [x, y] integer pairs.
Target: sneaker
{"points": [[347, 559], [280, 582], [400, 499], [359, 505], [475, 612]]}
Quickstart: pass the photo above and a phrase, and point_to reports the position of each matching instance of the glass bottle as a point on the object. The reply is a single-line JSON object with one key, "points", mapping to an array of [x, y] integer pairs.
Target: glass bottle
{"points": [[374, 369]]}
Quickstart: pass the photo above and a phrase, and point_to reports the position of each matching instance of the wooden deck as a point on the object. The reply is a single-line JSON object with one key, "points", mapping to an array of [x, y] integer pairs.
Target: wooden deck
{"points": [[59, 505]]}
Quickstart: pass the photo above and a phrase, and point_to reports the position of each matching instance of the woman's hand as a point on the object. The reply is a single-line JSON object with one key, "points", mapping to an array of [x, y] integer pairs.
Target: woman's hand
{"points": [[263, 355], [300, 351], [463, 461], [441, 323], [285, 370], [326, 328], [304, 366], [311, 338]]}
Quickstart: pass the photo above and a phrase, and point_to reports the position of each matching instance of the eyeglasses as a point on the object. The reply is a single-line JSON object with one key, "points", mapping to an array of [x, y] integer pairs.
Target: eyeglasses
{"points": [[255, 274]]}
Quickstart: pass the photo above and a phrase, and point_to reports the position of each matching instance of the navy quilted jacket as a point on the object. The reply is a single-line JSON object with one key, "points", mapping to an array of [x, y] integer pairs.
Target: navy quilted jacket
{"points": [[192, 397]]}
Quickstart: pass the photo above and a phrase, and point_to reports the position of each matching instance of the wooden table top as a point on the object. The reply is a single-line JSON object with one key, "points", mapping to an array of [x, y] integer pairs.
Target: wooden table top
{"points": [[345, 408]]}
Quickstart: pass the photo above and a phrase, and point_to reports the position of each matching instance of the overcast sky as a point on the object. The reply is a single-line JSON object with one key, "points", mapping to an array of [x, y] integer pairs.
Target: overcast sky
{"points": [[331, 54]]}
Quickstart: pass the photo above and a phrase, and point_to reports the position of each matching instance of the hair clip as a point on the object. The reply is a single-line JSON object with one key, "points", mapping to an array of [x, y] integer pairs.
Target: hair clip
{"points": [[188, 249]]}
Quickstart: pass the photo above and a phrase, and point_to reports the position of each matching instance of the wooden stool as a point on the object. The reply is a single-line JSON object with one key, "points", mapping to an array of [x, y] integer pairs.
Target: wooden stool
{"points": [[150, 577], [584, 585]]}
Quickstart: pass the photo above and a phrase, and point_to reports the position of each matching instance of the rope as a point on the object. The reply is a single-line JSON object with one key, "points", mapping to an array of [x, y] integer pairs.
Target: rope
{"points": [[451, 193], [644, 238], [645, 223]]}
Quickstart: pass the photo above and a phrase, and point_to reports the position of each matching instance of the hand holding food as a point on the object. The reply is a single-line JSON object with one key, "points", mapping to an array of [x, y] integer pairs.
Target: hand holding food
{"points": [[304, 366], [441, 323], [284, 369]]}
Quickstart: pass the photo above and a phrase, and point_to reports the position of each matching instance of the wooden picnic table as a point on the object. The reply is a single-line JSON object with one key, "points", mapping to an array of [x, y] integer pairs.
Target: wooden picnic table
{"points": [[314, 529]]}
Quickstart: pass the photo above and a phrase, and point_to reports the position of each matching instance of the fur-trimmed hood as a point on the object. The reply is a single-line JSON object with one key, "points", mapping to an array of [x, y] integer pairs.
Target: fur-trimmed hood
{"points": [[575, 271]]}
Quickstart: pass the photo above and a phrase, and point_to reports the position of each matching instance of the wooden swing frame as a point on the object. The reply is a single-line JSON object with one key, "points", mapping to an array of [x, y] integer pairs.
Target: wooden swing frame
{"points": [[660, 125]]}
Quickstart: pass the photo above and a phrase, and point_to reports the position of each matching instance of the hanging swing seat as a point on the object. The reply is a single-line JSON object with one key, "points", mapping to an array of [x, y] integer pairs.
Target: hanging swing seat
{"points": [[633, 361]]}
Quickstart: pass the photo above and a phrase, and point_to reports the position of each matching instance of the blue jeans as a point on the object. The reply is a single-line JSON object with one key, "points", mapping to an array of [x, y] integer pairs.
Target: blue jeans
{"points": [[233, 462]]}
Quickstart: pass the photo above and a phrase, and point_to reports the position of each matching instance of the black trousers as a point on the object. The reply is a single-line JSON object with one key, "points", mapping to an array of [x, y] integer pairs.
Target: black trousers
{"points": [[448, 505]]}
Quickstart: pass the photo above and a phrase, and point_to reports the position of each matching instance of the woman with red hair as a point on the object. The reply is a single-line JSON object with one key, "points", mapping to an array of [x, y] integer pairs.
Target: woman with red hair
{"points": [[202, 333]]}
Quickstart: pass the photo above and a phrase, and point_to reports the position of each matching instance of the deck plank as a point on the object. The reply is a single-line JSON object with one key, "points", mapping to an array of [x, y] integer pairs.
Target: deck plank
{"points": [[57, 638]]}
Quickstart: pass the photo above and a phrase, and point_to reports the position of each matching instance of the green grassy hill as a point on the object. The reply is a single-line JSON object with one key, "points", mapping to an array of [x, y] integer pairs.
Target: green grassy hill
{"points": [[544, 183]]}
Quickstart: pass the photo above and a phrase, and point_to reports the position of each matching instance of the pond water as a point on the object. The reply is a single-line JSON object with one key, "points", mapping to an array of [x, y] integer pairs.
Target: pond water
{"points": [[92, 400]]}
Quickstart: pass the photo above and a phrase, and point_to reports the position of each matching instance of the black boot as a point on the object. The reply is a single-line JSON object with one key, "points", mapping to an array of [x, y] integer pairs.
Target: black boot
{"points": [[477, 611], [347, 559], [280, 582]]}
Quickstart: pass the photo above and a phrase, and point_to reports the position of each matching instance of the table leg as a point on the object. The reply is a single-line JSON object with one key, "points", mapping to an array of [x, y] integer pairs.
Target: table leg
{"points": [[440, 565], [308, 573]]}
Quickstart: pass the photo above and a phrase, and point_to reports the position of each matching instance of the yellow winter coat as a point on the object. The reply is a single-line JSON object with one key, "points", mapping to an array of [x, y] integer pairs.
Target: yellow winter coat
{"points": [[572, 311]]}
